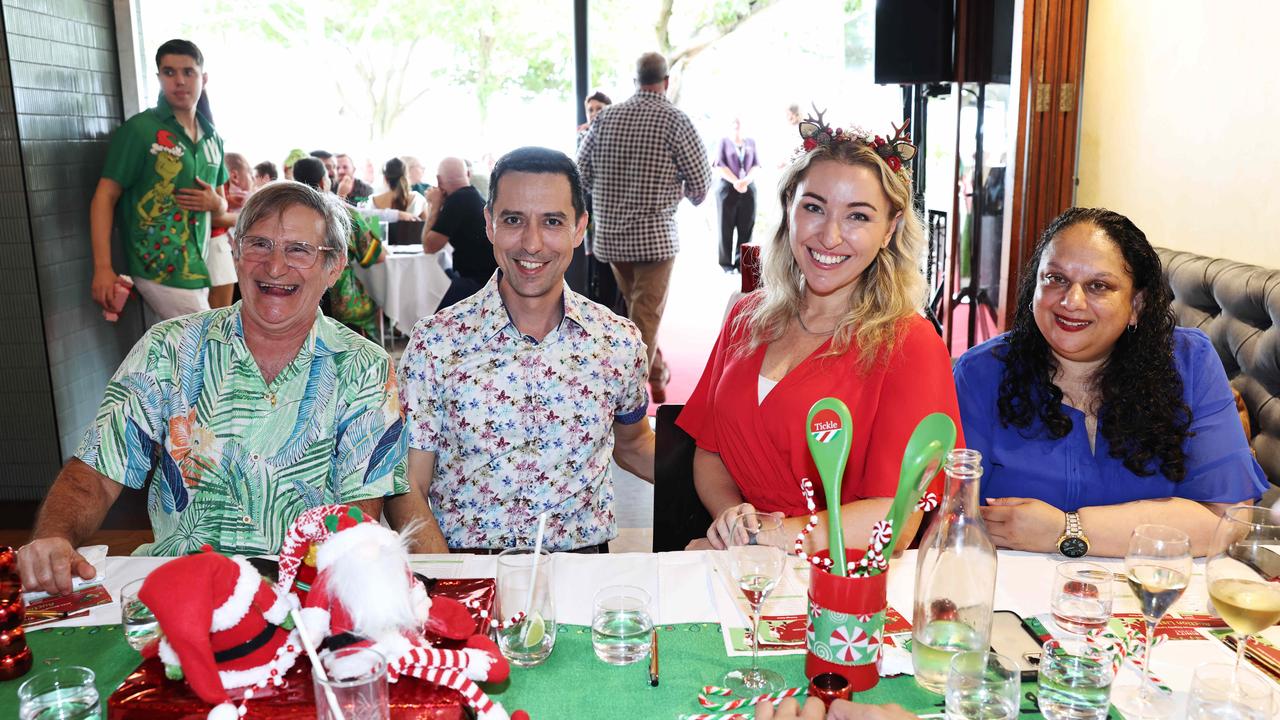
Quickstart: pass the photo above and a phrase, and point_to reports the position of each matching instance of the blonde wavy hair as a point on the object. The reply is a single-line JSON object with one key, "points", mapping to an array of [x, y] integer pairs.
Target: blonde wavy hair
{"points": [[890, 291]]}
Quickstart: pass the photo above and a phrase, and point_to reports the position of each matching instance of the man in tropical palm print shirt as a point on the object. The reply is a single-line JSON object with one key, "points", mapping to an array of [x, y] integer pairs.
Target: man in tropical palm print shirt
{"points": [[243, 417]]}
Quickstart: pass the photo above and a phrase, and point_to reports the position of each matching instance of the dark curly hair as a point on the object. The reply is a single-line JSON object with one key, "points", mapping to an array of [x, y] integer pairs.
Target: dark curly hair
{"points": [[1141, 414]]}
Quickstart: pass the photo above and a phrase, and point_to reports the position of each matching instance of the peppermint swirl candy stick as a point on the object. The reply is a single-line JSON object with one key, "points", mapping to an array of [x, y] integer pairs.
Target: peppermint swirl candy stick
{"points": [[711, 691]]}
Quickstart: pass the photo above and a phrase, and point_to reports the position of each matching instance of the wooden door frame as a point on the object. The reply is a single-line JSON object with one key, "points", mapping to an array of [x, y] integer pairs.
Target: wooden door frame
{"points": [[1044, 176]]}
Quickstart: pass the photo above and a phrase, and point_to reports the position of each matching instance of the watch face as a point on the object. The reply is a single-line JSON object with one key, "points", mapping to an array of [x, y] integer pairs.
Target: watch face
{"points": [[1073, 547]]}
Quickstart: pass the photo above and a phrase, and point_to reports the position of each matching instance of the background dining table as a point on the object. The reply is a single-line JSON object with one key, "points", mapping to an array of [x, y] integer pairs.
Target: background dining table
{"points": [[408, 285]]}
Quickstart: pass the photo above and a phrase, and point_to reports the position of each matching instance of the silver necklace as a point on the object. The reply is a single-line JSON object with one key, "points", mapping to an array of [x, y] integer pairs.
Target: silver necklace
{"points": [[800, 319]]}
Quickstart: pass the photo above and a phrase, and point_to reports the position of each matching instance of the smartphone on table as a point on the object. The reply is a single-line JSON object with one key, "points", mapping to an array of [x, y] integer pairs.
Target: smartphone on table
{"points": [[1014, 639]]}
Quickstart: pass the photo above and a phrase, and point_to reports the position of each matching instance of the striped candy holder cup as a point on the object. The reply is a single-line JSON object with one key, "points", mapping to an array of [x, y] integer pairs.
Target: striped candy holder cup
{"points": [[845, 625]]}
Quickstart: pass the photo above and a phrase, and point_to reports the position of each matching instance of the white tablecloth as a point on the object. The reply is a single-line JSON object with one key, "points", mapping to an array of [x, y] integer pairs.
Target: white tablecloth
{"points": [[408, 286], [688, 592]]}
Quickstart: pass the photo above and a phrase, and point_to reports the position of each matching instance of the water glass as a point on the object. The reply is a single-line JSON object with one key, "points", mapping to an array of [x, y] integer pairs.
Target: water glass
{"points": [[65, 693], [1218, 692], [1075, 680], [525, 586], [982, 686], [1081, 597], [139, 624], [621, 625], [357, 684]]}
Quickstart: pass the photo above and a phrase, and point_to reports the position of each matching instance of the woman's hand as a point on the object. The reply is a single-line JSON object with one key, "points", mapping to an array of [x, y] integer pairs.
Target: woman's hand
{"points": [[721, 531], [1024, 523]]}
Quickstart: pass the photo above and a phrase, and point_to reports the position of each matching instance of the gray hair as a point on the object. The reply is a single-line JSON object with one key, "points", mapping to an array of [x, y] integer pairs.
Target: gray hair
{"points": [[274, 199], [651, 68]]}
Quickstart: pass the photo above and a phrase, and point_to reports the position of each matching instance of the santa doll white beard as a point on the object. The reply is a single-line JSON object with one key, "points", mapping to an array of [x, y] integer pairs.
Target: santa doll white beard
{"points": [[373, 585]]}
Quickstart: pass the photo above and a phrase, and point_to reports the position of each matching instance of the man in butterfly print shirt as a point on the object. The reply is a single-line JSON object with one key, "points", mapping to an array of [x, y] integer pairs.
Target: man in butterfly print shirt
{"points": [[241, 417], [517, 397]]}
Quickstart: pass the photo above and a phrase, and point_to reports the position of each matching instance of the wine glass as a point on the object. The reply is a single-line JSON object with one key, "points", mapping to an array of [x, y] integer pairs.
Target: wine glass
{"points": [[756, 556], [1158, 566], [1241, 565]]}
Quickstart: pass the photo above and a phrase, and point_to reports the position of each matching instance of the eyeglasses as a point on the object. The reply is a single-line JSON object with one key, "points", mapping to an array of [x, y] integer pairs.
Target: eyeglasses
{"points": [[297, 255]]}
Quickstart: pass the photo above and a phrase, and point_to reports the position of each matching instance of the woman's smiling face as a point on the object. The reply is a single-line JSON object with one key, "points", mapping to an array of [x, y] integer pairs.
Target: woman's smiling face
{"points": [[840, 219], [1084, 294]]}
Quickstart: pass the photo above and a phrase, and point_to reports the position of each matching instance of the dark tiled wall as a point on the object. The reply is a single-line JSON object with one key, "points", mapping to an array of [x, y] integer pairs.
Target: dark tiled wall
{"points": [[59, 102]]}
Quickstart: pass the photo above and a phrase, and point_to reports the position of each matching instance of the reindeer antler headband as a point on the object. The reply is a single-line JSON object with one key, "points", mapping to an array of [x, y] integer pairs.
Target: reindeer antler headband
{"points": [[896, 152]]}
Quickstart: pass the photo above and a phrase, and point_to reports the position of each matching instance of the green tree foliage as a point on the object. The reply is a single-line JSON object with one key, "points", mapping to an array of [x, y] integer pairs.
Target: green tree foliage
{"points": [[386, 55]]}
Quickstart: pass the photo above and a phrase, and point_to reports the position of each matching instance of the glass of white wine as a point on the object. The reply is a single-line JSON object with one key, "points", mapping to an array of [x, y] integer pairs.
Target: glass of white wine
{"points": [[1158, 566], [756, 556], [1242, 560]]}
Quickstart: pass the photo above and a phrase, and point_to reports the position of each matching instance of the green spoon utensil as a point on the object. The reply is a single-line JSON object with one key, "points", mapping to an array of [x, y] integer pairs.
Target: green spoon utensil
{"points": [[928, 447], [830, 435]]}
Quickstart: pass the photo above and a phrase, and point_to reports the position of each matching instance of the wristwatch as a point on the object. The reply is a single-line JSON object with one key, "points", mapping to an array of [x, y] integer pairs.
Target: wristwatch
{"points": [[1073, 543]]}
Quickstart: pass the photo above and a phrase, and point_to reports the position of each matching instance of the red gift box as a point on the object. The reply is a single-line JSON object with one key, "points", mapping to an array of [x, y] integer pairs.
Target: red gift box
{"points": [[148, 695]]}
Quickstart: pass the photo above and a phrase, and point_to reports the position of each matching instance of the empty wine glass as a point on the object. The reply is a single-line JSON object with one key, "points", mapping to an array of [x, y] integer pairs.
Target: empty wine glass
{"points": [[756, 556], [1241, 565], [1158, 567]]}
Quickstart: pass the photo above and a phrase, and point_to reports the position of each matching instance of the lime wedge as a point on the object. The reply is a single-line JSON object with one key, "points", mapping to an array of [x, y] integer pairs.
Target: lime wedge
{"points": [[535, 628]]}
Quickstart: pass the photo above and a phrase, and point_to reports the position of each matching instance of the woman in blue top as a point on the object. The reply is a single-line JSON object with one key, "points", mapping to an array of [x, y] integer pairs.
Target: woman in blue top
{"points": [[1095, 413]]}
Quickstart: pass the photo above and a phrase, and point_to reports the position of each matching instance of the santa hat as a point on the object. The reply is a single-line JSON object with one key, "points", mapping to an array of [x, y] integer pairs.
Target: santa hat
{"points": [[315, 526], [221, 624]]}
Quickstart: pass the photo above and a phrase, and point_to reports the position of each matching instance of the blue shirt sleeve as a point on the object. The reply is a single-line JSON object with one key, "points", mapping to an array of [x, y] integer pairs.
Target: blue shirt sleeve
{"points": [[975, 388], [1220, 466]]}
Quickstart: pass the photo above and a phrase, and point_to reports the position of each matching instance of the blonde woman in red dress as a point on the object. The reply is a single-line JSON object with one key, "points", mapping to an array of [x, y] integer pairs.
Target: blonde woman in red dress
{"points": [[839, 315]]}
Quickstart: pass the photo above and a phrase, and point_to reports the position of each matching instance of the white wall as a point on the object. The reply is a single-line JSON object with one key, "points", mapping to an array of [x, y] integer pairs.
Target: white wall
{"points": [[1180, 125]]}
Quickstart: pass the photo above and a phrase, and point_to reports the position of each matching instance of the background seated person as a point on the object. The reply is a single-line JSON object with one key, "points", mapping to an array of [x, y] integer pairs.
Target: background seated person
{"points": [[235, 413], [349, 302], [1097, 404], [838, 316], [517, 397], [456, 218], [398, 202]]}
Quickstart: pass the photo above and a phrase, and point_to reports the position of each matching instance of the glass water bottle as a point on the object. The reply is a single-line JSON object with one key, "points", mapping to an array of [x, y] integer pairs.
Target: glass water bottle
{"points": [[955, 577]]}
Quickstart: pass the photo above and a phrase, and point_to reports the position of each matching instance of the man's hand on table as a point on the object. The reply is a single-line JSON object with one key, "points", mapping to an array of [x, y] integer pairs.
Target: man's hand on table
{"points": [[51, 564], [1024, 523], [788, 709]]}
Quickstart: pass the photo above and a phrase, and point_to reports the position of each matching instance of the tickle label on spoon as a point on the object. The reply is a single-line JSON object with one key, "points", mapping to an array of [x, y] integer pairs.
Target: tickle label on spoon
{"points": [[825, 426]]}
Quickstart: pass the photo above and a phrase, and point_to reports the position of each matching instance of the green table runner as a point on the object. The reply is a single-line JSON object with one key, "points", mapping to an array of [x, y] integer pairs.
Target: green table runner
{"points": [[571, 683], [574, 683], [101, 648]]}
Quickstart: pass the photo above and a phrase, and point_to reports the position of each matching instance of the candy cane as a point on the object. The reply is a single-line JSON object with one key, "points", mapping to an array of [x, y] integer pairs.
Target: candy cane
{"points": [[484, 706], [806, 488], [475, 606], [1130, 646], [712, 690], [716, 716]]}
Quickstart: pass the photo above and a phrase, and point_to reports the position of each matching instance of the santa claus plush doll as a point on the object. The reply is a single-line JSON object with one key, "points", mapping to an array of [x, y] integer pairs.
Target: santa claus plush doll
{"points": [[224, 629], [364, 594]]}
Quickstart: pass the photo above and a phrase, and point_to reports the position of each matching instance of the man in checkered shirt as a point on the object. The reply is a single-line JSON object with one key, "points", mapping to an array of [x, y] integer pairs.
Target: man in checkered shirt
{"points": [[638, 159]]}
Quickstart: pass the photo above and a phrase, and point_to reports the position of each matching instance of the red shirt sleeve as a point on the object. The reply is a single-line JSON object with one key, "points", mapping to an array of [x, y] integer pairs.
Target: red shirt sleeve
{"points": [[698, 416], [917, 381]]}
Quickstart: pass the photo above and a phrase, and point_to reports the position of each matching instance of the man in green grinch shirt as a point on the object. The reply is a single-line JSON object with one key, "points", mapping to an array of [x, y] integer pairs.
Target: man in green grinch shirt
{"points": [[160, 186]]}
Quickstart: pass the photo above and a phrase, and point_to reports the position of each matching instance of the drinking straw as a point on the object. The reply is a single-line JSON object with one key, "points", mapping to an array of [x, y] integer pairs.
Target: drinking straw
{"points": [[305, 637], [533, 579]]}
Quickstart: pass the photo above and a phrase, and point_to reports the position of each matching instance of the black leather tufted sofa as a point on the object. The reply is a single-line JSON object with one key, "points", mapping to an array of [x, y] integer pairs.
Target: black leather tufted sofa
{"points": [[1238, 307]]}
